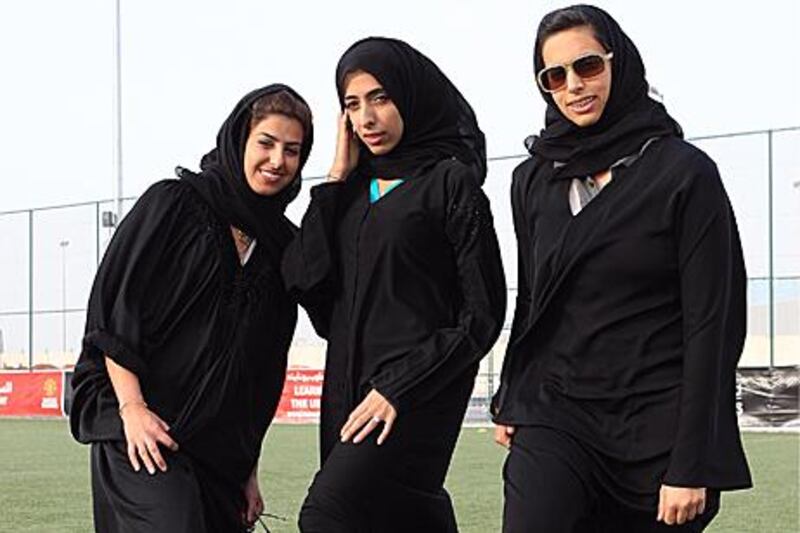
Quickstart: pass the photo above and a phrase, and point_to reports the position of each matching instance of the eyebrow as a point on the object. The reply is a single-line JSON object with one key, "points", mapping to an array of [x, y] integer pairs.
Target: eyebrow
{"points": [[370, 94], [275, 139]]}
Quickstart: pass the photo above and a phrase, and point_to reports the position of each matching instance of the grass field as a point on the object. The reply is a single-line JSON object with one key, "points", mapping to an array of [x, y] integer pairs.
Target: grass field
{"points": [[44, 480]]}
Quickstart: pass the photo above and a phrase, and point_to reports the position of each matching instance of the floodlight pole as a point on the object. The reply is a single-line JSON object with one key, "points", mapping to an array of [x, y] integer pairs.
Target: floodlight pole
{"points": [[117, 156]]}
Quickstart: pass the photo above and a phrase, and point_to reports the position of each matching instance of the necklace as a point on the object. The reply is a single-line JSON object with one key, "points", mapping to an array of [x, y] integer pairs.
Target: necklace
{"points": [[242, 238]]}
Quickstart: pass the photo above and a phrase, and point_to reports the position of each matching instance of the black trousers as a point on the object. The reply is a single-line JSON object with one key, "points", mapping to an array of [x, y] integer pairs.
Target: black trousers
{"points": [[550, 486], [395, 487], [185, 498]]}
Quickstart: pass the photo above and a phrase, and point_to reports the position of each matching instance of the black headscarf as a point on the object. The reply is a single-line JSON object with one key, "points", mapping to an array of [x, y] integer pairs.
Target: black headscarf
{"points": [[438, 121], [629, 119], [223, 184]]}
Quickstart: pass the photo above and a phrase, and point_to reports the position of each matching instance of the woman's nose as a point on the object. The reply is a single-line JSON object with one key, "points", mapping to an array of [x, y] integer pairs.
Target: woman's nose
{"points": [[367, 115], [574, 82], [276, 157]]}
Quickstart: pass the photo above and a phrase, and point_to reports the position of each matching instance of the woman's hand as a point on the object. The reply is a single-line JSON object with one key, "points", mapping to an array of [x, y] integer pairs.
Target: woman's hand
{"points": [[254, 503], [144, 430], [346, 151], [677, 505], [503, 435], [367, 416]]}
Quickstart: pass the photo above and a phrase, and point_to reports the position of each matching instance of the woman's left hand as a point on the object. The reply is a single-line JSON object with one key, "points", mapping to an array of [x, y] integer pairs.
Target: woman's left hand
{"points": [[370, 413], [678, 505], [254, 503]]}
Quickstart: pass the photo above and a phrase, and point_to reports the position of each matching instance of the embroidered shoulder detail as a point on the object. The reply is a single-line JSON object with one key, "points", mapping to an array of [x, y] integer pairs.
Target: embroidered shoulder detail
{"points": [[468, 218]]}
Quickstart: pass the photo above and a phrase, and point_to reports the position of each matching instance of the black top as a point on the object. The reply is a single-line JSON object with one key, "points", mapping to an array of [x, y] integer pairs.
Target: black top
{"points": [[171, 302], [206, 337], [630, 321], [409, 290]]}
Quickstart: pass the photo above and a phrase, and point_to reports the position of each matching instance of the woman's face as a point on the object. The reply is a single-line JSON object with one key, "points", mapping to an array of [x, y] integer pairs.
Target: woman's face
{"points": [[373, 115], [580, 100], [272, 154]]}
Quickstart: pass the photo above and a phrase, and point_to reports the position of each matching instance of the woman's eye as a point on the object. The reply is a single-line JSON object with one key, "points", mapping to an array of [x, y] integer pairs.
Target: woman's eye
{"points": [[351, 106], [266, 143], [380, 98], [293, 152]]}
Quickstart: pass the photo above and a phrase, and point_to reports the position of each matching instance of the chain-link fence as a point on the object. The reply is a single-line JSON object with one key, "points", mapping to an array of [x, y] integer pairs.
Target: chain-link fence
{"points": [[47, 263], [49, 257]]}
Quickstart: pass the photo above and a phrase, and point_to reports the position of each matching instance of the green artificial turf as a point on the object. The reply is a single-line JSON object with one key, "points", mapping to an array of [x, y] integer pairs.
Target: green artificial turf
{"points": [[44, 480]]}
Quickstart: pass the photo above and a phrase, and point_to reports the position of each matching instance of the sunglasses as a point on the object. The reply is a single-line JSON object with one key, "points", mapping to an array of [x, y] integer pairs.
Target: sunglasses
{"points": [[551, 79]]}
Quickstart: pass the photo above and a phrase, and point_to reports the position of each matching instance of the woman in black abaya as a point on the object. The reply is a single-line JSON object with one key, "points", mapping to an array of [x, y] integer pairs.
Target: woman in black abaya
{"points": [[188, 330], [618, 387], [398, 264]]}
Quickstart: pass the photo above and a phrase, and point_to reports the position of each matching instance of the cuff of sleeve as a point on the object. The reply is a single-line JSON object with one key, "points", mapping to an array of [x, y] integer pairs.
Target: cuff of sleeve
{"points": [[387, 393], [116, 350], [494, 405], [685, 471]]}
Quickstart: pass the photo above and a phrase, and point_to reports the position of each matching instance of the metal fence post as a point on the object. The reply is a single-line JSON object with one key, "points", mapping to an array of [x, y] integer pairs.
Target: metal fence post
{"points": [[30, 289], [771, 258], [97, 233]]}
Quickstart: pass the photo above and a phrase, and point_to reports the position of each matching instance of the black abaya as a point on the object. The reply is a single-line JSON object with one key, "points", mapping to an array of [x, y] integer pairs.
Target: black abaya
{"points": [[410, 293], [415, 297], [642, 375], [206, 336], [420, 292], [630, 315]]}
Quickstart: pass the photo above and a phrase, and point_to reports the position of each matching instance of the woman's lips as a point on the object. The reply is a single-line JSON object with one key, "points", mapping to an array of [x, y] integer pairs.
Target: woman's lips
{"points": [[373, 138], [583, 105], [271, 177]]}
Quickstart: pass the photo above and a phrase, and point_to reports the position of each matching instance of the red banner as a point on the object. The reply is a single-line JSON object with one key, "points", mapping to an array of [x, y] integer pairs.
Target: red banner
{"points": [[300, 399], [31, 393]]}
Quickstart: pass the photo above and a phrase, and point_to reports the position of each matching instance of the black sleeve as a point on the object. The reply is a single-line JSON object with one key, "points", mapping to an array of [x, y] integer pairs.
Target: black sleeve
{"points": [[706, 260], [524, 283], [435, 363], [129, 279], [309, 262]]}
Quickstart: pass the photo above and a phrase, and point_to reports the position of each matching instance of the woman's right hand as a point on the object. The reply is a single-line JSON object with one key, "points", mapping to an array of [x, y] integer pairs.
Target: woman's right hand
{"points": [[346, 150], [144, 431], [503, 435]]}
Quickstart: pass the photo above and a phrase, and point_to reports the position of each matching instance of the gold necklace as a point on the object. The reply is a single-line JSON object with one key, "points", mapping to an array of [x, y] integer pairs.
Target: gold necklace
{"points": [[243, 238]]}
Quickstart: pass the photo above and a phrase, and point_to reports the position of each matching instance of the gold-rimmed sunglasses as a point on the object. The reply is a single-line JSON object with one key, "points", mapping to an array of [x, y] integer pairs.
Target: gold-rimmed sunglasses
{"points": [[551, 79]]}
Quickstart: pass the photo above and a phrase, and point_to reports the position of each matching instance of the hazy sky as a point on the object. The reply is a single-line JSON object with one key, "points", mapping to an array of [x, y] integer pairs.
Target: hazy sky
{"points": [[721, 66]]}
